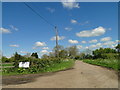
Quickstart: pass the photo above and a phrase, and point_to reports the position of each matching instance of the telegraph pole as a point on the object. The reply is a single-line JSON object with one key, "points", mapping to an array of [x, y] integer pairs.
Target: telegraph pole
{"points": [[56, 51]]}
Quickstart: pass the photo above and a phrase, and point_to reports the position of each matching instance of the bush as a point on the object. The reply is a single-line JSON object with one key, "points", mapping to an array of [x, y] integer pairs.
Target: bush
{"points": [[109, 56], [88, 56], [42, 65], [21, 70], [4, 59]]}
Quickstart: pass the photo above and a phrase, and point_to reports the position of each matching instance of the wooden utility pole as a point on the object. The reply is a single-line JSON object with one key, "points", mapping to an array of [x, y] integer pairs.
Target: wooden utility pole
{"points": [[56, 50]]}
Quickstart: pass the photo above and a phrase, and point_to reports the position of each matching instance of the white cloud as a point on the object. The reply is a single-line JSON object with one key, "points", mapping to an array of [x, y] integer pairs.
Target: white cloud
{"points": [[40, 44], [79, 46], [99, 45], [73, 41], [70, 4], [44, 51], [93, 41], [106, 39], [13, 27], [113, 46], [83, 42], [59, 38], [117, 41], [51, 9], [68, 28], [92, 33], [24, 52], [14, 45], [92, 46], [87, 47], [73, 21], [86, 22], [45, 48], [109, 43], [3, 30]]}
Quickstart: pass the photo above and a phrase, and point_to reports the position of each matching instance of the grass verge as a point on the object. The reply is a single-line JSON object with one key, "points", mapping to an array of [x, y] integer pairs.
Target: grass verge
{"points": [[66, 64], [109, 63], [7, 64]]}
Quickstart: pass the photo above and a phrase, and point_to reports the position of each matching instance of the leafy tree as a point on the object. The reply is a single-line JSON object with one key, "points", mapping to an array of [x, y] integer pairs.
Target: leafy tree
{"points": [[45, 56], [34, 55], [60, 47], [63, 54], [4, 59], [99, 53], [17, 57], [52, 54], [72, 51], [88, 52], [80, 56], [11, 59], [88, 56], [57, 49], [118, 47], [27, 55]]}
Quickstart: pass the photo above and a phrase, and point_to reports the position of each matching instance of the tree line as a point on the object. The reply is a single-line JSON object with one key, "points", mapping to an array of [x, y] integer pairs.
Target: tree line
{"points": [[70, 53]]}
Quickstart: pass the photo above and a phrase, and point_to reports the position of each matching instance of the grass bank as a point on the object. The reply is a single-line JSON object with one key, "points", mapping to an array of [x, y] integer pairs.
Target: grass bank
{"points": [[109, 63], [65, 64], [7, 64]]}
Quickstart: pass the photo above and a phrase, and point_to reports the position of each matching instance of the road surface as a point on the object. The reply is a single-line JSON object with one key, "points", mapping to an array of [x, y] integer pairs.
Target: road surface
{"points": [[83, 75]]}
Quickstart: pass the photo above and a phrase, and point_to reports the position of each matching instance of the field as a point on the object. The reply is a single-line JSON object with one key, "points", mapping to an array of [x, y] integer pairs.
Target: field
{"points": [[109, 63]]}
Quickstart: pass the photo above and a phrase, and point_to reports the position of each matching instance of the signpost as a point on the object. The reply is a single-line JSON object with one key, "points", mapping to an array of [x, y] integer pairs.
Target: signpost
{"points": [[24, 64]]}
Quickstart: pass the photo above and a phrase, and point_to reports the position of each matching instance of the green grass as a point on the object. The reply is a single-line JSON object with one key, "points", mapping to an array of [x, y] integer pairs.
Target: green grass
{"points": [[56, 67], [61, 66], [7, 64], [109, 63]]}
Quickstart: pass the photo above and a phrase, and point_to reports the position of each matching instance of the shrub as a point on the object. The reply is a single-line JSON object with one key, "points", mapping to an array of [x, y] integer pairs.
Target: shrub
{"points": [[21, 70], [109, 56]]}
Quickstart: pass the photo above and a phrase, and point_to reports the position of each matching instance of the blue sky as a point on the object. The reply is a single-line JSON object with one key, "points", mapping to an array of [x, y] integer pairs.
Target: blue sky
{"points": [[87, 25]]}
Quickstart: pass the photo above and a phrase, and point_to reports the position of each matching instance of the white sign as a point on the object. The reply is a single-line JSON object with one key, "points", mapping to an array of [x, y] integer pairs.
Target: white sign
{"points": [[24, 64]]}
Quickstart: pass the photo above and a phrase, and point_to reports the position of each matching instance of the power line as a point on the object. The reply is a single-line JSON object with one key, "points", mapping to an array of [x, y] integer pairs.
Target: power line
{"points": [[38, 14], [57, 53]]}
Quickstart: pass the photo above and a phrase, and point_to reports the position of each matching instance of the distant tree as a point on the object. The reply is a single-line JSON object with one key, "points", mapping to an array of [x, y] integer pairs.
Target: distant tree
{"points": [[27, 55], [88, 52], [72, 51], [57, 49], [4, 59], [88, 56], [45, 56], [118, 47], [80, 56], [34, 55], [17, 58], [63, 53], [60, 47], [98, 53], [11, 59], [52, 54]]}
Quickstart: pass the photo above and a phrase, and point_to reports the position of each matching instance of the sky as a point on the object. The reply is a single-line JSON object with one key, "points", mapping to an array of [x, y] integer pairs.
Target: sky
{"points": [[88, 25]]}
